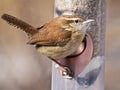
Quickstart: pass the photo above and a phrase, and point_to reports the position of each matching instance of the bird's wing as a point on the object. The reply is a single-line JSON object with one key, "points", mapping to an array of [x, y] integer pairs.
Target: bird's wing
{"points": [[30, 30], [49, 37]]}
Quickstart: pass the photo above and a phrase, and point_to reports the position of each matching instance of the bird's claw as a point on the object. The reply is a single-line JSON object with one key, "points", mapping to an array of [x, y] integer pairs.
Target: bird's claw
{"points": [[65, 71]]}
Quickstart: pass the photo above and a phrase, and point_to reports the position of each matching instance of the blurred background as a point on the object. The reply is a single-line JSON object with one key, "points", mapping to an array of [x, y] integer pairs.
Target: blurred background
{"points": [[23, 68]]}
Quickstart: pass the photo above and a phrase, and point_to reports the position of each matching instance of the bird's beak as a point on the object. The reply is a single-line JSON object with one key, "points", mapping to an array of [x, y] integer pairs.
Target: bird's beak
{"points": [[86, 24], [88, 21]]}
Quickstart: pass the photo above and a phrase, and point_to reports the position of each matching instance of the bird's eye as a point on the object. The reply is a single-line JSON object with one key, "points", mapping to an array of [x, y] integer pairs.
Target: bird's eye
{"points": [[76, 21]]}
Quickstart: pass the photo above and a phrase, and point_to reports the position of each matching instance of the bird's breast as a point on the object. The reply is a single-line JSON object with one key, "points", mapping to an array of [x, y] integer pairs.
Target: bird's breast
{"points": [[58, 52]]}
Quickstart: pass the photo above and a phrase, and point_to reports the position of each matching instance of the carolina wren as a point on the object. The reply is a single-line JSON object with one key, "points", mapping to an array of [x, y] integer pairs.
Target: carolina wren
{"points": [[56, 39]]}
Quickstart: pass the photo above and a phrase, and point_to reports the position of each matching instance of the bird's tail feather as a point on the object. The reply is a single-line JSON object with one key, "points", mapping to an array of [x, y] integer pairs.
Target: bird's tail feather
{"points": [[30, 30]]}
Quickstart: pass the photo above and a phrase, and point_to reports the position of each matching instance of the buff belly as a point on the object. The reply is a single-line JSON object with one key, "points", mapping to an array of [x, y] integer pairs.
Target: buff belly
{"points": [[58, 52]]}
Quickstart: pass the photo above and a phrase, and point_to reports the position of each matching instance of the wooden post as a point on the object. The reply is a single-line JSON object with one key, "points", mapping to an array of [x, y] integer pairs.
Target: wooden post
{"points": [[92, 77]]}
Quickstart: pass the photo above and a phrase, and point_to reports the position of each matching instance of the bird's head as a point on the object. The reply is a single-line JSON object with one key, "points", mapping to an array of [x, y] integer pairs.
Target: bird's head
{"points": [[75, 21]]}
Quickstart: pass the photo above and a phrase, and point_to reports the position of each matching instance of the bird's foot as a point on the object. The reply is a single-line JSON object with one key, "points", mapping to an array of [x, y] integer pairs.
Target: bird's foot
{"points": [[65, 71]]}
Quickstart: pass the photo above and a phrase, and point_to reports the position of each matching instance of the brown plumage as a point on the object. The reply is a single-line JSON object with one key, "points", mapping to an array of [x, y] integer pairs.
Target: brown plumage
{"points": [[19, 24], [56, 39], [59, 37], [51, 37]]}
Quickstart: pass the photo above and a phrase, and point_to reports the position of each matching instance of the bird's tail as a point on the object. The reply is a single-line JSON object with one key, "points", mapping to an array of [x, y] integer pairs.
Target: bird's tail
{"points": [[30, 30]]}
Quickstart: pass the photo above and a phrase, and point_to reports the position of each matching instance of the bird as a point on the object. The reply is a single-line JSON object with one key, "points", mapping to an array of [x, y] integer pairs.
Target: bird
{"points": [[57, 39]]}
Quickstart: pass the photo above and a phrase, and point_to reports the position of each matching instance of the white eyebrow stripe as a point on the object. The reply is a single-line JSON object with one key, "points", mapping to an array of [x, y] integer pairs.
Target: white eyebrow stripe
{"points": [[71, 18]]}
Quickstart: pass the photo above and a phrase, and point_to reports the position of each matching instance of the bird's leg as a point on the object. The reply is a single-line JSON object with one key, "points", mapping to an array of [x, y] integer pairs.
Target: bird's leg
{"points": [[64, 69]]}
